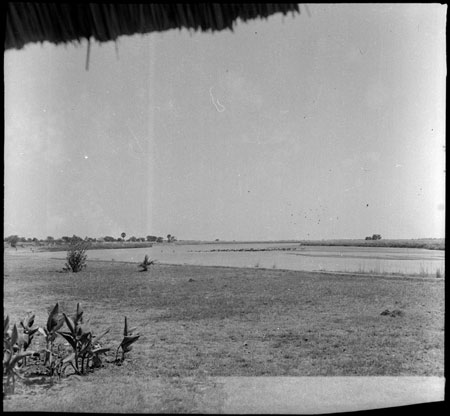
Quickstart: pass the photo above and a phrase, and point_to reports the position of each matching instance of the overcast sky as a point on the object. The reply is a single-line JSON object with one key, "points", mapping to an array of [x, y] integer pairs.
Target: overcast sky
{"points": [[328, 125]]}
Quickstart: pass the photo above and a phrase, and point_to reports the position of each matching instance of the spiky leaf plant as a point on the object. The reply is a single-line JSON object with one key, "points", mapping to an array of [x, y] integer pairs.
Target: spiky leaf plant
{"points": [[13, 355], [86, 349], [147, 262], [128, 339], [50, 332]]}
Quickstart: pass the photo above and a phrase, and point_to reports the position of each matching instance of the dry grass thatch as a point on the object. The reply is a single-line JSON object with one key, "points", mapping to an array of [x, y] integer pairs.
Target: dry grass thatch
{"points": [[64, 22]]}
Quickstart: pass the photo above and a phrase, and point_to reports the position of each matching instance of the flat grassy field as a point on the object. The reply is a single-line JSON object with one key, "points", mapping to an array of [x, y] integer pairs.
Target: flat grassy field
{"points": [[197, 322], [426, 243]]}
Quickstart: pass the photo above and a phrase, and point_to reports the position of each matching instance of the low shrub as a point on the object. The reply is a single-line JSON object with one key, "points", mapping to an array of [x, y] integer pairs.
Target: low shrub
{"points": [[147, 262], [76, 256]]}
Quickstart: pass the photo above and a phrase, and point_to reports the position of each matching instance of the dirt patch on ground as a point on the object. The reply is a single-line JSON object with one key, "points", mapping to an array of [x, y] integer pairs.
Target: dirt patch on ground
{"points": [[393, 314]]}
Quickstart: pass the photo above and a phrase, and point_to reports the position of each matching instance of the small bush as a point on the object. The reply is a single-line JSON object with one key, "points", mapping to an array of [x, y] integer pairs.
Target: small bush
{"points": [[147, 262], [76, 256]]}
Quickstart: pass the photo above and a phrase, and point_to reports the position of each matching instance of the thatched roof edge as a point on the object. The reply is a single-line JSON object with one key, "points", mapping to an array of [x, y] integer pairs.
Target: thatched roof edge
{"points": [[66, 23]]}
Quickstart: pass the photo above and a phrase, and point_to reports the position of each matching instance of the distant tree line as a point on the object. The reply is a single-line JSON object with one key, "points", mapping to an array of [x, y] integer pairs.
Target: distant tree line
{"points": [[14, 240], [374, 237]]}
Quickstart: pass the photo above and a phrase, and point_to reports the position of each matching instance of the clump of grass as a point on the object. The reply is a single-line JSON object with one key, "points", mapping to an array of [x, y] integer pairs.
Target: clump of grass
{"points": [[439, 274], [423, 271]]}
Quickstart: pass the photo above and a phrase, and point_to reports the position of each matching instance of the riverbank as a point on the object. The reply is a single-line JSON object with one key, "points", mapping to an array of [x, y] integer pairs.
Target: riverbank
{"points": [[425, 243], [198, 322], [287, 256]]}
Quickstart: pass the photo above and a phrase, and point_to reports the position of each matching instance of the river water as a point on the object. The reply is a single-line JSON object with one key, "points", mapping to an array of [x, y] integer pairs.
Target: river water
{"points": [[283, 256]]}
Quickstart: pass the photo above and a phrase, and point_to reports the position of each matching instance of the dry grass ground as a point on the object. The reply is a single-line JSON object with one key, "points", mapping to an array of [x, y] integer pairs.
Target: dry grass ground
{"points": [[197, 322]]}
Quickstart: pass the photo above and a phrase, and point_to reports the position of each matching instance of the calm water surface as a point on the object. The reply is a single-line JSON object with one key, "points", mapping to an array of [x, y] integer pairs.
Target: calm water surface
{"points": [[293, 257]]}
